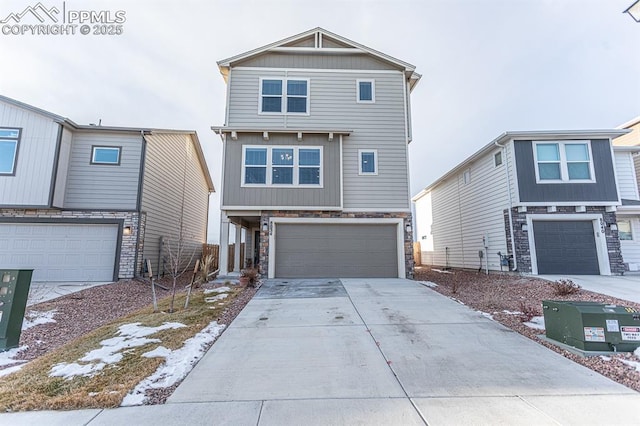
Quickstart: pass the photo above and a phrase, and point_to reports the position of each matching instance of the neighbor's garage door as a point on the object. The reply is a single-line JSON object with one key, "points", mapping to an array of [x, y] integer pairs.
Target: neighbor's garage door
{"points": [[336, 250], [565, 247], [60, 252]]}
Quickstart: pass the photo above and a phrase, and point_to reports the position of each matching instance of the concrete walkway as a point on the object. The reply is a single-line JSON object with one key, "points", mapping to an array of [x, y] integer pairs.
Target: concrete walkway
{"points": [[626, 287], [372, 351]]}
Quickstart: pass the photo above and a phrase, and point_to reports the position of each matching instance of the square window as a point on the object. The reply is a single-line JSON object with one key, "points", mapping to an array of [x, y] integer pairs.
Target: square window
{"points": [[366, 91], [368, 162], [624, 230], [105, 155]]}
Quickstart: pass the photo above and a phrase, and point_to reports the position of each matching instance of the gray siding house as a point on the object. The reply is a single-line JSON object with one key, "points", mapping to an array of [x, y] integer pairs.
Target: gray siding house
{"points": [[315, 165], [540, 202], [90, 203]]}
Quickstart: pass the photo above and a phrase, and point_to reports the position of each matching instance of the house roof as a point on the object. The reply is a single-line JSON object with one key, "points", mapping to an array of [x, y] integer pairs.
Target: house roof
{"points": [[522, 135], [629, 123], [319, 33], [143, 130]]}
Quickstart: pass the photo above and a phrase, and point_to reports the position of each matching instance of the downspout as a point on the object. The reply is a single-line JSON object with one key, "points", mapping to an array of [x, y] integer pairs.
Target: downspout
{"points": [[513, 237], [143, 158]]}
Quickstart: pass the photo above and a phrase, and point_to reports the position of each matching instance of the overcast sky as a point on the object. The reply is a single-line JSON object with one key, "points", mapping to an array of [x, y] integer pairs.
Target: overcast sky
{"points": [[488, 66]]}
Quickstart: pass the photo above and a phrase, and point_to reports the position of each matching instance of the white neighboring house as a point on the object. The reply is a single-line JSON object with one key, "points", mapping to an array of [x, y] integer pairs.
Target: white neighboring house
{"points": [[539, 202], [629, 212]]}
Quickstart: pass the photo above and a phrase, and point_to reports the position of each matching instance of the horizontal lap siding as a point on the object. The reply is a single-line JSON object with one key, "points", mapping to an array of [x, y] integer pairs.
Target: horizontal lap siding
{"points": [[98, 186], [631, 248], [167, 157], [327, 196], [627, 185], [31, 184], [464, 213], [333, 105]]}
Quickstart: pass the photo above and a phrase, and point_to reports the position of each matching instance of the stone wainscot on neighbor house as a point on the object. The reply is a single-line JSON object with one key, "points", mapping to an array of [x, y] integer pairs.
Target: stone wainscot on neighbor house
{"points": [[539, 202], [90, 203], [315, 165]]}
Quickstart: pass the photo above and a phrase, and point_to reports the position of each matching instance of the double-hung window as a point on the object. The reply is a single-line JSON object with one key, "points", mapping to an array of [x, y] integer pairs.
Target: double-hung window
{"points": [[282, 166], [9, 140], [284, 95], [569, 161]]}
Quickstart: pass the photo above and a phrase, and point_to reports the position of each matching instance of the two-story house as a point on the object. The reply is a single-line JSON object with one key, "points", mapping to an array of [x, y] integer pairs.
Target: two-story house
{"points": [[539, 202], [90, 203], [315, 165]]}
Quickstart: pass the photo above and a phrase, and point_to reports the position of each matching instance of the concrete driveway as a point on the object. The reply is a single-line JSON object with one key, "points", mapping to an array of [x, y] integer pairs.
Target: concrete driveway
{"points": [[373, 351], [626, 287]]}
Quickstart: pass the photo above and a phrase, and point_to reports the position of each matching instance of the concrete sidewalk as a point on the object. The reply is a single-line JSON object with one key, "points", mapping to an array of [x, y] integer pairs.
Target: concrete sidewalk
{"points": [[626, 287], [372, 351]]}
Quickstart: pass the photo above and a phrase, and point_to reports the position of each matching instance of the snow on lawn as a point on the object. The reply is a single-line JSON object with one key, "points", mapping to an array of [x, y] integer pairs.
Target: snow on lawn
{"points": [[217, 290], [441, 271], [111, 352], [177, 364], [428, 284], [216, 298], [7, 358], [536, 322], [34, 318]]}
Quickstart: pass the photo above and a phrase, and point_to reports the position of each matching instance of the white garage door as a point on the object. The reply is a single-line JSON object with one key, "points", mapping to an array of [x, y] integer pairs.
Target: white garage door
{"points": [[60, 252]]}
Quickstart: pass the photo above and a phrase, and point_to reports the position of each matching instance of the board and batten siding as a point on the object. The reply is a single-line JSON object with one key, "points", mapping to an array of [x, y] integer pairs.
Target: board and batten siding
{"points": [[31, 184], [626, 174], [62, 169], [380, 125], [103, 186], [174, 186], [327, 196], [463, 213]]}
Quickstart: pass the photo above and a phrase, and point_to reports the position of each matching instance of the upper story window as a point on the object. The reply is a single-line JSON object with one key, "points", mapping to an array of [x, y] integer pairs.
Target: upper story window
{"points": [[282, 166], [366, 91], [569, 161], [284, 95], [108, 155], [9, 140], [368, 161], [466, 176], [497, 159]]}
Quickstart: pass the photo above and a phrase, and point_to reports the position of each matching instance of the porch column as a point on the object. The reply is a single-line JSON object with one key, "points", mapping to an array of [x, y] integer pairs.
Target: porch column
{"points": [[248, 246], [236, 258], [223, 257]]}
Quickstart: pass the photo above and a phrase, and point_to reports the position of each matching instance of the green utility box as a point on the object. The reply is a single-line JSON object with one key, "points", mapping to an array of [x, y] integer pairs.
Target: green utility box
{"points": [[592, 326], [14, 290]]}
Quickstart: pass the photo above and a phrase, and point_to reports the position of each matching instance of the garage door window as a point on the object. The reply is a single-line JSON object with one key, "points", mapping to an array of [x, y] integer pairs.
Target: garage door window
{"points": [[9, 139], [558, 162]]}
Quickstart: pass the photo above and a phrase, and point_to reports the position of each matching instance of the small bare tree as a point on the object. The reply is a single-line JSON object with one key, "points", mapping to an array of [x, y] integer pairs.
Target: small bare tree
{"points": [[177, 251], [153, 287]]}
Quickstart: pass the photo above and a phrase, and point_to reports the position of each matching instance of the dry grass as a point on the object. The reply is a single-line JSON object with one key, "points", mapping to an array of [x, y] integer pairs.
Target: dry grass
{"points": [[32, 389]]}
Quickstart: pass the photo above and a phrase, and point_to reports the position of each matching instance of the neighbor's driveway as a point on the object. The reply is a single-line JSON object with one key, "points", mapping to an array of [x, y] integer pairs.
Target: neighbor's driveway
{"points": [[625, 287], [375, 351]]}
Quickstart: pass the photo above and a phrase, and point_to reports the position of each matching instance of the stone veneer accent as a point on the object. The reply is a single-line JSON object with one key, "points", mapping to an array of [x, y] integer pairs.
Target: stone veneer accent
{"points": [[128, 264], [523, 255], [408, 236]]}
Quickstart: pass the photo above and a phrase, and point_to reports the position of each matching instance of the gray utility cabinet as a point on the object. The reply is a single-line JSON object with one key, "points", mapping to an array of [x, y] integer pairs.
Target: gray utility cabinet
{"points": [[14, 290], [592, 326]]}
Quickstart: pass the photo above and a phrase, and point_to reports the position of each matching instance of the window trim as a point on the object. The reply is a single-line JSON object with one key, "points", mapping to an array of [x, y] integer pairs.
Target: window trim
{"points": [[373, 90], [375, 162], [630, 229], [16, 150], [296, 167], [564, 171], [103, 163], [284, 96]]}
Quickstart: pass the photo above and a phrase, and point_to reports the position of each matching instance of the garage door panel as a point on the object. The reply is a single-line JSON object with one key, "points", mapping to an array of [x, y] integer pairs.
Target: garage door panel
{"points": [[565, 247], [60, 252], [336, 250]]}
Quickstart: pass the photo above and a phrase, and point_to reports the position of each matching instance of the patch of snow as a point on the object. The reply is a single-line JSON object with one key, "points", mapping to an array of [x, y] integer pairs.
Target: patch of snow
{"points": [[441, 271], [605, 358], [428, 284], [633, 364], [7, 357], [177, 365], [485, 314], [34, 318], [111, 352], [159, 352], [13, 369], [637, 352], [216, 298], [217, 290], [511, 312], [459, 301], [536, 323]]}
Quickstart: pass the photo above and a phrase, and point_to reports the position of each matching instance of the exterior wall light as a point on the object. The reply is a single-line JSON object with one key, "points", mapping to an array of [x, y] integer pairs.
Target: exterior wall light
{"points": [[525, 227], [127, 231]]}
